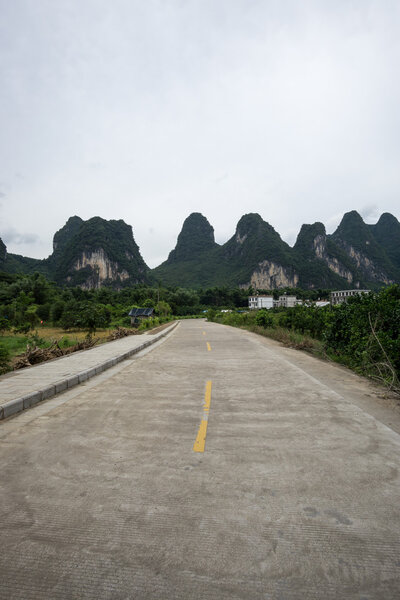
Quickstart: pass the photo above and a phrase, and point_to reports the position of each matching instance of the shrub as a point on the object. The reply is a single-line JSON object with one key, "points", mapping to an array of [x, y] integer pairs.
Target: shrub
{"points": [[264, 319], [365, 333], [4, 359]]}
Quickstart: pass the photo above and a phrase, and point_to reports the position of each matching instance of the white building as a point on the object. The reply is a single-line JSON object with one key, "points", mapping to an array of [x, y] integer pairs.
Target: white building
{"points": [[342, 295], [256, 302], [288, 301]]}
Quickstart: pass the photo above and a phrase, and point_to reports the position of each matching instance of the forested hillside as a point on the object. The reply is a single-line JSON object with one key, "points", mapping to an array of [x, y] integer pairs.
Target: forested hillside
{"points": [[96, 253], [356, 255]]}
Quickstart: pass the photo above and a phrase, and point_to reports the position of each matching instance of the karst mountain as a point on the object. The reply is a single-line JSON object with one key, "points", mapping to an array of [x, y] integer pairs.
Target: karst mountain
{"points": [[97, 252]]}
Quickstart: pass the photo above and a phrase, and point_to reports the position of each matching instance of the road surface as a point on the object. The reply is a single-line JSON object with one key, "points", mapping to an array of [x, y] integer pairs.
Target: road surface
{"points": [[216, 466]]}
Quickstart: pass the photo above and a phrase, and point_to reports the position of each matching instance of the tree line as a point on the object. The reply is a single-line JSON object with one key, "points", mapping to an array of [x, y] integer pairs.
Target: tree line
{"points": [[28, 300]]}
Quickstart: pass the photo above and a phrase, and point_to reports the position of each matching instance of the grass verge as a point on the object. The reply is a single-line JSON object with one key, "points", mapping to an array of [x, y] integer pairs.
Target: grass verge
{"points": [[289, 338]]}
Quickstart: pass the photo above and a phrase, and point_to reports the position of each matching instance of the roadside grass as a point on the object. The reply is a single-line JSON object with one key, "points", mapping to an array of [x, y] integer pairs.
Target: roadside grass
{"points": [[43, 337], [287, 337], [73, 335], [290, 338], [13, 345]]}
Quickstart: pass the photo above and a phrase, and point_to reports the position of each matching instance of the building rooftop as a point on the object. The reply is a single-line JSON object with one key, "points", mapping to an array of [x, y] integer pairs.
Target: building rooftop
{"points": [[141, 312]]}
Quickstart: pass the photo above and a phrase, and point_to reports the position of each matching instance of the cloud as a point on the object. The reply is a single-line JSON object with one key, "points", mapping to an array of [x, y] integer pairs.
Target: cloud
{"points": [[2, 195], [225, 108], [370, 212], [96, 166], [332, 222], [11, 236], [221, 178]]}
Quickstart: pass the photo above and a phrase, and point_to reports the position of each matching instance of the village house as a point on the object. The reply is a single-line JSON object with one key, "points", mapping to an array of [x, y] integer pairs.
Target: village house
{"points": [[257, 302], [340, 296], [287, 301], [138, 314]]}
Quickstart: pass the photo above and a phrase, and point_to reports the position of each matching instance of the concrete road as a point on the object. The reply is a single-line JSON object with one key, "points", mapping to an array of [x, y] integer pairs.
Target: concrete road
{"points": [[216, 466]]}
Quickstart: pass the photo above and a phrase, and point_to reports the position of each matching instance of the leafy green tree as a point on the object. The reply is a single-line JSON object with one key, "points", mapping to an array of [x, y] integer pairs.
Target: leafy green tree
{"points": [[163, 309], [31, 315], [56, 311], [93, 316], [365, 331], [148, 303], [70, 315]]}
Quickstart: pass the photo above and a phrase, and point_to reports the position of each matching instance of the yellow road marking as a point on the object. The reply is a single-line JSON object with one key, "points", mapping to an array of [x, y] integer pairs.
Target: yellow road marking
{"points": [[204, 333], [207, 397], [200, 442], [201, 437], [208, 347]]}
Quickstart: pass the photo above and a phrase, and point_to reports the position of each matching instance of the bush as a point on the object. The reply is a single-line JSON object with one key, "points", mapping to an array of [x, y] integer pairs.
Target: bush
{"points": [[22, 328], [4, 359], [365, 333], [149, 323], [264, 319], [85, 315]]}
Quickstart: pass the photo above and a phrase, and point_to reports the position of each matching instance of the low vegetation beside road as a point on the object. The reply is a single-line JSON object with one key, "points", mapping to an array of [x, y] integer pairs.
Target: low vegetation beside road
{"points": [[363, 333], [45, 343]]}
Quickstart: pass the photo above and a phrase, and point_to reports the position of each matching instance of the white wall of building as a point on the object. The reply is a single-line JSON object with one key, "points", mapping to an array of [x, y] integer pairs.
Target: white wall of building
{"points": [[257, 302]]}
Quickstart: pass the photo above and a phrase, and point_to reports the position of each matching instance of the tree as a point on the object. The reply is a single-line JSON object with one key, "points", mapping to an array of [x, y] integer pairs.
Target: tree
{"points": [[162, 308], [92, 316], [4, 324], [31, 315]]}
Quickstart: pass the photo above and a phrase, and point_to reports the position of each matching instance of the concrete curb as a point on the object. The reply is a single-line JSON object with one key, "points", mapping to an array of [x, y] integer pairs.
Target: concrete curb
{"points": [[17, 405]]}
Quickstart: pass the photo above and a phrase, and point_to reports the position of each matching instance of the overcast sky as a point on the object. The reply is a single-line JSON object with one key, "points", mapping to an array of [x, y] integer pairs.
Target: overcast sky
{"points": [[148, 110]]}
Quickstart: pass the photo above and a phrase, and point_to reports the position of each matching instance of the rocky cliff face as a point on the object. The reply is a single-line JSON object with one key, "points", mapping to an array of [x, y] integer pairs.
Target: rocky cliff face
{"points": [[99, 269], [315, 254], [372, 271], [88, 254], [270, 276], [321, 252], [94, 252], [366, 255], [259, 256]]}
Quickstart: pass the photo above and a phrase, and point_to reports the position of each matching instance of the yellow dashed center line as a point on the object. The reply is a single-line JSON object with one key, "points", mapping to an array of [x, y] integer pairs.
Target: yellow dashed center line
{"points": [[200, 442], [208, 347]]}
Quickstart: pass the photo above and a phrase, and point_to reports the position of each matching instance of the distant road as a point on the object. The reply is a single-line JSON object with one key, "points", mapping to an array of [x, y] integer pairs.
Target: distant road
{"points": [[217, 466]]}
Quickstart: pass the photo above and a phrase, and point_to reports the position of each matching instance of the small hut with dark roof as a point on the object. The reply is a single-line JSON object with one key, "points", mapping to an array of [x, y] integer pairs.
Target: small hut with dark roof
{"points": [[137, 314]]}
